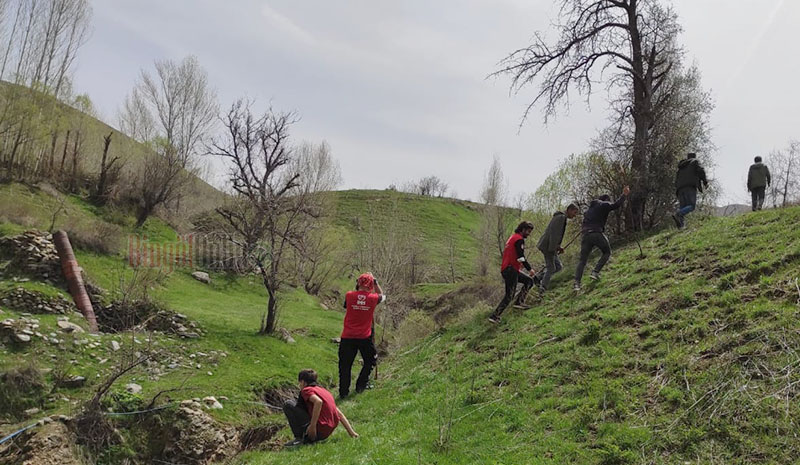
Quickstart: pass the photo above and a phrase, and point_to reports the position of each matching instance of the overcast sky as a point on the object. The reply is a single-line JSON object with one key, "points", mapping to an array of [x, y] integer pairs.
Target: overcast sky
{"points": [[399, 88]]}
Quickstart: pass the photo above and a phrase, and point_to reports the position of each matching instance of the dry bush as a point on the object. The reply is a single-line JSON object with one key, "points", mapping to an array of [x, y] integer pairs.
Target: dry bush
{"points": [[20, 389], [98, 237], [417, 325]]}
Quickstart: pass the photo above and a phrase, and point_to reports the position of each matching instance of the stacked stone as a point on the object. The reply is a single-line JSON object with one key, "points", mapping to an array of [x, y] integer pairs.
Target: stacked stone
{"points": [[32, 253], [19, 331], [36, 302]]}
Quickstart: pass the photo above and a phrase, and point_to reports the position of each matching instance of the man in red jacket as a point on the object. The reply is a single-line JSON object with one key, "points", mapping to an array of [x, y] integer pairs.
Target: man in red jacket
{"points": [[513, 261], [314, 415], [357, 332]]}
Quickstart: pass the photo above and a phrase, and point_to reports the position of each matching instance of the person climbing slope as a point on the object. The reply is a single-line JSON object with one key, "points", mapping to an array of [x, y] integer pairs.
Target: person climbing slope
{"points": [[313, 416], [758, 179], [513, 261], [690, 178], [357, 333], [593, 232], [550, 245]]}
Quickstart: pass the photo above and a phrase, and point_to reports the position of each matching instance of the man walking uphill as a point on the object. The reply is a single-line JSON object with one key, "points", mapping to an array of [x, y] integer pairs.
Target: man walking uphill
{"points": [[513, 261], [690, 177], [357, 332], [758, 179], [593, 231], [550, 245]]}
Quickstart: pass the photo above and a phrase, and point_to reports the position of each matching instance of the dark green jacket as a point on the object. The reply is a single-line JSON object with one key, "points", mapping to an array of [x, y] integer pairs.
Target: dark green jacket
{"points": [[758, 176], [690, 174], [554, 234]]}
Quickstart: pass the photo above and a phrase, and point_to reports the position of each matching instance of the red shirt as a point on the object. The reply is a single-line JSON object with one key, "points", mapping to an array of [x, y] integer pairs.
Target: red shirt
{"points": [[360, 307], [510, 253], [328, 416]]}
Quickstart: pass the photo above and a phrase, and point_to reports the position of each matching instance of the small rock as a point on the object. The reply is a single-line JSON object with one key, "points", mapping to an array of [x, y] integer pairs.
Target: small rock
{"points": [[133, 388], [69, 327], [32, 411], [115, 346], [212, 403], [324, 307], [209, 373], [286, 336], [22, 337], [202, 277], [75, 382], [190, 335]]}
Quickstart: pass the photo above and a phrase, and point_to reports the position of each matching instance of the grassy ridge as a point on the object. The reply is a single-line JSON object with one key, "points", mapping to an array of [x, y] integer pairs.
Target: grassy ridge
{"points": [[687, 355]]}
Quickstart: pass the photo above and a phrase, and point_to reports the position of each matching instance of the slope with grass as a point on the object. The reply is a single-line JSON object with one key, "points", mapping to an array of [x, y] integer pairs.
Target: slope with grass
{"points": [[688, 354]]}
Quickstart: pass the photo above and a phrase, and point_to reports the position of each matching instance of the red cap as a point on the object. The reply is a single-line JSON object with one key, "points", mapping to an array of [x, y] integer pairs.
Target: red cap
{"points": [[366, 281]]}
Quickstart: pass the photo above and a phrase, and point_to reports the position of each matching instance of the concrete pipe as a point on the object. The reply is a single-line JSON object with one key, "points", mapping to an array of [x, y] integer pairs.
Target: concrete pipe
{"points": [[72, 273]]}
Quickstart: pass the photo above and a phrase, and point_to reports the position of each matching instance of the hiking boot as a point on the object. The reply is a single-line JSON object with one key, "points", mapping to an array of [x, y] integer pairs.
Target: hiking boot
{"points": [[294, 443], [595, 275], [494, 319], [576, 287], [362, 389]]}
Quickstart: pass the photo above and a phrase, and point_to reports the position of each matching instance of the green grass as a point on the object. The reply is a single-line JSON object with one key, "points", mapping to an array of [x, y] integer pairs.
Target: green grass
{"points": [[688, 355]]}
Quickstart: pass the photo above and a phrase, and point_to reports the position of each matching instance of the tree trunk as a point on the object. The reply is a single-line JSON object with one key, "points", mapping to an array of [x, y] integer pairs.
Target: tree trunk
{"points": [[641, 112], [143, 212], [269, 320], [100, 195], [64, 155]]}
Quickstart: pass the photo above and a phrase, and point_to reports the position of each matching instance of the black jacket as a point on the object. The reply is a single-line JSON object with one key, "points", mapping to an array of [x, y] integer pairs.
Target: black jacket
{"points": [[594, 220], [690, 174]]}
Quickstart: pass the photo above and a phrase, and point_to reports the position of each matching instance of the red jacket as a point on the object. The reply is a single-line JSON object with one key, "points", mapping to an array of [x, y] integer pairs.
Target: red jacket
{"points": [[360, 306], [513, 252]]}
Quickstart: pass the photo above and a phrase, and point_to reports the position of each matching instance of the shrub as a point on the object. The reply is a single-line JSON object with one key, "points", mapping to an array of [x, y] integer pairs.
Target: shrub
{"points": [[414, 327], [21, 389], [99, 237]]}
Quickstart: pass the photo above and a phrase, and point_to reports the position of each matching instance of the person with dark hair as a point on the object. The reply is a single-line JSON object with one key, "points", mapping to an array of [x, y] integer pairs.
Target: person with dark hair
{"points": [[550, 245], [357, 332], [593, 231], [758, 179], [513, 261], [313, 416], [690, 178]]}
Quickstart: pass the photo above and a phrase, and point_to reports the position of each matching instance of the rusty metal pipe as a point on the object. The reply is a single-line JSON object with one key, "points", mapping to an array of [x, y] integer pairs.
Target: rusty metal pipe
{"points": [[72, 273]]}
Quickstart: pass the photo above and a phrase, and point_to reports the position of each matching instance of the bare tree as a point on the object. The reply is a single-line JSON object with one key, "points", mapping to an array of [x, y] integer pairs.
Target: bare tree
{"points": [[431, 186], [785, 168], [174, 112], [630, 41], [264, 218], [110, 168], [319, 252]]}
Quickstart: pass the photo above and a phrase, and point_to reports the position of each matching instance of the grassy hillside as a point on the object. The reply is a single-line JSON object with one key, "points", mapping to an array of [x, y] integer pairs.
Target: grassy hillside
{"points": [[686, 355], [92, 130], [447, 230]]}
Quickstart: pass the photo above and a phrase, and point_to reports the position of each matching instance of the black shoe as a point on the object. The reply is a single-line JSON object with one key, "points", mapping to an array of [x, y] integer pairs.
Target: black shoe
{"points": [[360, 390], [494, 319], [522, 306], [294, 443]]}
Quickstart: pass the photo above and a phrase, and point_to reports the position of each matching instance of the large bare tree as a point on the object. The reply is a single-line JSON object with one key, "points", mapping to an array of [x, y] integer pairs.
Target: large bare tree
{"points": [[266, 214], [785, 168], [629, 43], [174, 111]]}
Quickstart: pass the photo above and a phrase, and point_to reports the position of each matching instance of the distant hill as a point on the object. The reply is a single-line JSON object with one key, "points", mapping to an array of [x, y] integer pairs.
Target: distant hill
{"points": [[201, 195]]}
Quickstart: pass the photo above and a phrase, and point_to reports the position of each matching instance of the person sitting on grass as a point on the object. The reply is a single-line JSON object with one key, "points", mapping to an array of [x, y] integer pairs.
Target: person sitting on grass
{"points": [[313, 416]]}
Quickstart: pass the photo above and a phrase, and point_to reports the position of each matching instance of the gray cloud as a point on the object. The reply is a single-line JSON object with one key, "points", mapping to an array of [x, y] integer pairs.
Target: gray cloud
{"points": [[399, 91]]}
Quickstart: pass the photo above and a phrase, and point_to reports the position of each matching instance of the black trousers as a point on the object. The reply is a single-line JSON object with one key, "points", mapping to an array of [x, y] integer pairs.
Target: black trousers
{"points": [[298, 418], [348, 348], [588, 242], [511, 277], [758, 194]]}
